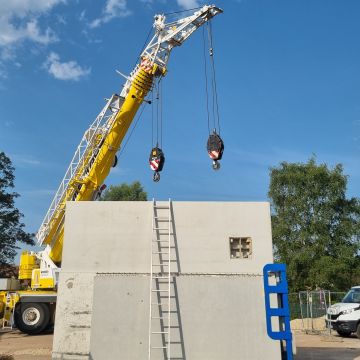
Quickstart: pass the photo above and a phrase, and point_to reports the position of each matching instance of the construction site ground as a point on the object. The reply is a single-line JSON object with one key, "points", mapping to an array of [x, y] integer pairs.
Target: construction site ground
{"points": [[17, 346]]}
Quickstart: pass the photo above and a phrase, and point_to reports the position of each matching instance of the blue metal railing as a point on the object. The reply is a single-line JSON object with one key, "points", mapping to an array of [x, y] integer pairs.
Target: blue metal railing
{"points": [[282, 311]]}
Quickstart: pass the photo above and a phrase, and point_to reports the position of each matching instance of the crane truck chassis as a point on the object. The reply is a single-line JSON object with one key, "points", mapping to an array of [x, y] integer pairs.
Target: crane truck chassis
{"points": [[28, 303]]}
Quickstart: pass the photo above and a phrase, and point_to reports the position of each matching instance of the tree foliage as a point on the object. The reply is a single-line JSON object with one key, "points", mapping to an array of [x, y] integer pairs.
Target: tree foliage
{"points": [[11, 227], [316, 229], [125, 192]]}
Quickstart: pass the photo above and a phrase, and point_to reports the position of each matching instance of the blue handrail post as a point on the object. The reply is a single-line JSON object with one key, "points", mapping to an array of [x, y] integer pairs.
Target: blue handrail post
{"points": [[282, 310]]}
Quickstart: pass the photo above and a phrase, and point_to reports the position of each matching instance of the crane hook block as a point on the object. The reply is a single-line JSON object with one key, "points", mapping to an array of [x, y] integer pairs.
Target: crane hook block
{"points": [[156, 161], [215, 148]]}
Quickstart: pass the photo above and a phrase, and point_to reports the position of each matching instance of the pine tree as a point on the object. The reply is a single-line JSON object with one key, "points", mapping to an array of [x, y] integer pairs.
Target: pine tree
{"points": [[11, 227]]}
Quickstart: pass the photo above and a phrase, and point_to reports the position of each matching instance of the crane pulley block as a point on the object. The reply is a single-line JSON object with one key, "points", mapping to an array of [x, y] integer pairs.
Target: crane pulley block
{"points": [[156, 161], [215, 148]]}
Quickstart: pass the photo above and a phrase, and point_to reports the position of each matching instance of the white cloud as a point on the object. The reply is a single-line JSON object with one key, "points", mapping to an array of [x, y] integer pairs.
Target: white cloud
{"points": [[188, 4], [9, 123], [21, 8], [3, 74], [70, 70], [113, 9], [38, 193], [19, 21], [22, 160]]}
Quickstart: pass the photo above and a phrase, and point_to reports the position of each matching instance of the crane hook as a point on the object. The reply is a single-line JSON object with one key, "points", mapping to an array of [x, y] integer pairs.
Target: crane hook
{"points": [[156, 177]]}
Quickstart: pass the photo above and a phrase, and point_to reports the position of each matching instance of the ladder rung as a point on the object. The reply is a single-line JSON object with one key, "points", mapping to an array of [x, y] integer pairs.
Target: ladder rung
{"points": [[161, 218], [160, 252], [161, 277], [163, 264], [159, 332], [156, 228], [159, 304], [160, 290], [161, 207], [159, 347], [162, 241], [159, 317]]}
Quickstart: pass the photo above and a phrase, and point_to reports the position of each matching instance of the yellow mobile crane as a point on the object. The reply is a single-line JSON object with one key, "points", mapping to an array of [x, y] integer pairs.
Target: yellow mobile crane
{"points": [[32, 308]]}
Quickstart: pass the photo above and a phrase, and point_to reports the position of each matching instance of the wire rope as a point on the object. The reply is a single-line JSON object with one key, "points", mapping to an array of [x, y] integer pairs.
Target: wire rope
{"points": [[152, 118], [214, 85], [143, 47], [157, 112], [132, 130], [161, 112], [182, 11], [206, 80]]}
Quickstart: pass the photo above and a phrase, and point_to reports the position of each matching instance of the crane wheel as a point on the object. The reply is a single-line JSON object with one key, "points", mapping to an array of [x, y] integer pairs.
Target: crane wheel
{"points": [[32, 318]]}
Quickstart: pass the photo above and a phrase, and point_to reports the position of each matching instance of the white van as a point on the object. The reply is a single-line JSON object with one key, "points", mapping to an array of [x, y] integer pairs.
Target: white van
{"points": [[344, 317]]}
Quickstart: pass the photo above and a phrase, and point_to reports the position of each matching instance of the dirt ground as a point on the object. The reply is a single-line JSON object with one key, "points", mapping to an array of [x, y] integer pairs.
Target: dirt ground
{"points": [[17, 346]]}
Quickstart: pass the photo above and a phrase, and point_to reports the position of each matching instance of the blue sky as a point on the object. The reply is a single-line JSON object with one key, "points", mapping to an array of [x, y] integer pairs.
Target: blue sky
{"points": [[288, 77]]}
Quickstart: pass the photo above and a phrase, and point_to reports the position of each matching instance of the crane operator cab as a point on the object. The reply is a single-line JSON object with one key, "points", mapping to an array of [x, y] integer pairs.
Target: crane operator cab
{"points": [[156, 161], [215, 148]]}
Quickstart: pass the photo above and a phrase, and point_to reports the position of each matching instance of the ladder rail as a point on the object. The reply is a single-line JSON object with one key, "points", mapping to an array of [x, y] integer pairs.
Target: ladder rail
{"points": [[160, 270], [169, 283], [151, 280]]}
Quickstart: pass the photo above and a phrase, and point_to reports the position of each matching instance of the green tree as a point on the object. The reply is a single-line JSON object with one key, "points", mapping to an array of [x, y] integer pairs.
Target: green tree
{"points": [[11, 227], [125, 192], [316, 229]]}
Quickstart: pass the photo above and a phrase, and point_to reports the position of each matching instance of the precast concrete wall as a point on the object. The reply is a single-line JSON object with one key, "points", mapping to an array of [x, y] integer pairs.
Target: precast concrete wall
{"points": [[217, 301]]}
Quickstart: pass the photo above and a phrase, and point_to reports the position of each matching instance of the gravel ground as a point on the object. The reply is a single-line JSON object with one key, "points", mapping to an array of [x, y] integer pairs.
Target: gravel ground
{"points": [[17, 346], [325, 347]]}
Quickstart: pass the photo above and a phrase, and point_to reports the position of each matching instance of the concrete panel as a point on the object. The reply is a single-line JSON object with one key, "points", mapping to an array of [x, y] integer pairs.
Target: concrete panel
{"points": [[203, 230], [115, 237], [107, 236], [73, 316], [220, 318]]}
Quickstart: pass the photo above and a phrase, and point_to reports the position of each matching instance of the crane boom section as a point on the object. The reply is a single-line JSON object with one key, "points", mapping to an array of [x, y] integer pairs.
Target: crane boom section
{"points": [[92, 174], [95, 155]]}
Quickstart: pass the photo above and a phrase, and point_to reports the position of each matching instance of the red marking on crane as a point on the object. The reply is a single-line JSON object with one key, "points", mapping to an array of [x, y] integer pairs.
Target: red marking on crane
{"points": [[146, 65], [214, 154], [154, 164]]}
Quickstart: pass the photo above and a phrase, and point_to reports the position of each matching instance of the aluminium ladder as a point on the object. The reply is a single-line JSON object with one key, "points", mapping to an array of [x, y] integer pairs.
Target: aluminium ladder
{"points": [[161, 281]]}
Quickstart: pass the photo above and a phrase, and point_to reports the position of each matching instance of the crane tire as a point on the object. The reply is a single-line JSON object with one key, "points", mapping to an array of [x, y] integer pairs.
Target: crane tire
{"points": [[32, 318]]}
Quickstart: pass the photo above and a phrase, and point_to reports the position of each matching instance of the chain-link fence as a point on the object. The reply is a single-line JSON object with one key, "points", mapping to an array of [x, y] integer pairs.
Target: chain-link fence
{"points": [[308, 309]]}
